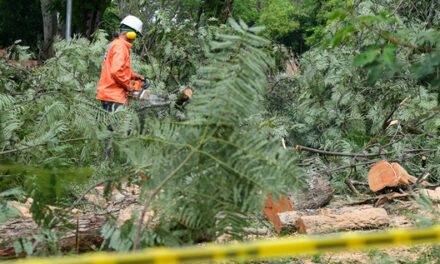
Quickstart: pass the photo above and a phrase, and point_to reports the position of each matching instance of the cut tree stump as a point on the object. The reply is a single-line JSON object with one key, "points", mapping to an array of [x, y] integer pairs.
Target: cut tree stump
{"points": [[184, 96], [384, 174], [347, 218]]}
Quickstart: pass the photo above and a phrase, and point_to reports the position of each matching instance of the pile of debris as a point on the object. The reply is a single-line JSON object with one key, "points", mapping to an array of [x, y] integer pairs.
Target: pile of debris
{"points": [[121, 204], [304, 213]]}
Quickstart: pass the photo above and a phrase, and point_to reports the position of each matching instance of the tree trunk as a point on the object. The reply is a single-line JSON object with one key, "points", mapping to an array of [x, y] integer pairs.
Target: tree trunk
{"points": [[50, 24], [348, 218], [318, 194], [121, 206], [227, 10], [92, 22], [88, 231]]}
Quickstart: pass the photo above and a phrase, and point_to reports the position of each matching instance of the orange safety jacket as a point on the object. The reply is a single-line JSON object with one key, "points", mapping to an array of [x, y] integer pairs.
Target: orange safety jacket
{"points": [[116, 72]]}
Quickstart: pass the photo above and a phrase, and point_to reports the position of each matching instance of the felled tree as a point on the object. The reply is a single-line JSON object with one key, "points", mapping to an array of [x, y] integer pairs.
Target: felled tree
{"points": [[208, 171]]}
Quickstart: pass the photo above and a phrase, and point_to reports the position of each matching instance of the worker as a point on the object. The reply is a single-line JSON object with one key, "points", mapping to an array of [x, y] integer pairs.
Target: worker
{"points": [[116, 69]]}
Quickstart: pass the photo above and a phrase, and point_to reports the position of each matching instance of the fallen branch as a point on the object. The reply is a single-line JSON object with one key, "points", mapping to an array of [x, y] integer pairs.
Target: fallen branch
{"points": [[331, 153], [359, 183], [40, 145], [86, 192], [88, 226], [397, 8], [387, 121], [381, 199], [354, 165], [423, 118], [421, 150], [351, 186], [328, 171]]}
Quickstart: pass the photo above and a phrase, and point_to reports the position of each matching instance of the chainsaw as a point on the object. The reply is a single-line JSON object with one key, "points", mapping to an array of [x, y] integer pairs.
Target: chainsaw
{"points": [[139, 90]]}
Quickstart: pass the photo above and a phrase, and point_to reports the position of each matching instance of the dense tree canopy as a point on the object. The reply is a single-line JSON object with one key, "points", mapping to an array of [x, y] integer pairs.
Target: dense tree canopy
{"points": [[366, 84], [296, 24]]}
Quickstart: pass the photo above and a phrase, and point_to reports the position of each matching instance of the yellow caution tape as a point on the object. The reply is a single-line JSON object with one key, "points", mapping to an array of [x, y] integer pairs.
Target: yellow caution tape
{"points": [[260, 249]]}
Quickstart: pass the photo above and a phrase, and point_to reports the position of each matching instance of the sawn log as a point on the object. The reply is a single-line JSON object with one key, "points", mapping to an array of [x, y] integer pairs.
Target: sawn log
{"points": [[344, 219], [89, 237]]}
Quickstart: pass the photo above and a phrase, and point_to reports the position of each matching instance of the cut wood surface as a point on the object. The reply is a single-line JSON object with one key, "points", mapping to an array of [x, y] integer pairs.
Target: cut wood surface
{"points": [[348, 218], [287, 221], [402, 174], [184, 96], [317, 194], [384, 174]]}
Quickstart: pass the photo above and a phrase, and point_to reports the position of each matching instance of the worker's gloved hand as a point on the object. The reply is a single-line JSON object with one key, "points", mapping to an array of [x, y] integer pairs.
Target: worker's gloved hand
{"points": [[140, 77]]}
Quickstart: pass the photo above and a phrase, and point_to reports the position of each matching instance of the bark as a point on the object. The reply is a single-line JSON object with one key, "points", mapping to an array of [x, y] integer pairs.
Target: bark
{"points": [[318, 194], [122, 206], [227, 10], [344, 219], [50, 24], [89, 225], [92, 22]]}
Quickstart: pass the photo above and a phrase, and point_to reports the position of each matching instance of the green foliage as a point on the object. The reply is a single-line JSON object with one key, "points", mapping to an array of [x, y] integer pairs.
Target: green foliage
{"points": [[7, 211], [218, 169], [248, 10], [51, 125], [296, 24], [220, 159], [278, 16], [344, 94]]}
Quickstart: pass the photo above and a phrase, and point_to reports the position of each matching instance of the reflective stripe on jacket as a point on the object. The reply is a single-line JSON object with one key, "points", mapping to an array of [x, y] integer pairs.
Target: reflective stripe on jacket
{"points": [[116, 72]]}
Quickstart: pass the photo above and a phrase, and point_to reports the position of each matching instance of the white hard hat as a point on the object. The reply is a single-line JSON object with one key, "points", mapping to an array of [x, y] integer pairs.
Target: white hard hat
{"points": [[132, 22]]}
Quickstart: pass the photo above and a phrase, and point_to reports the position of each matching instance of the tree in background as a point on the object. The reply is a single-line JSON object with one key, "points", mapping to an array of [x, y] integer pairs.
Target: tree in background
{"points": [[296, 24], [85, 19], [37, 23], [293, 23], [20, 19], [85, 15]]}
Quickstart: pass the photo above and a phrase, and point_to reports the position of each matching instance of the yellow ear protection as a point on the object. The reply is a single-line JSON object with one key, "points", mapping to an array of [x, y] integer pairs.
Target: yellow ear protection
{"points": [[130, 32], [131, 35]]}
